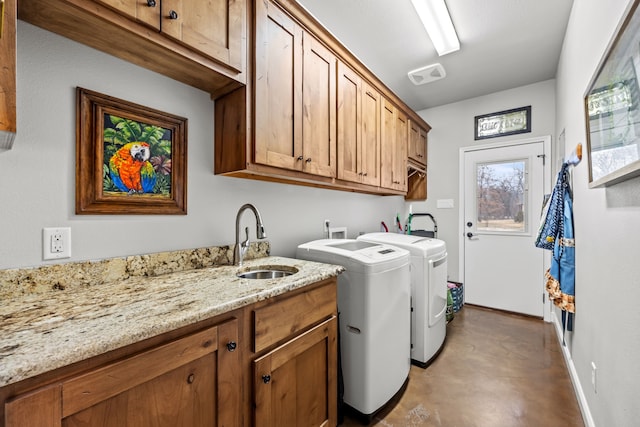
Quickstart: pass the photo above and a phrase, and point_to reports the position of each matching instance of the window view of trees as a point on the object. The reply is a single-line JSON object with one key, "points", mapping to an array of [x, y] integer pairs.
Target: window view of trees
{"points": [[500, 196]]}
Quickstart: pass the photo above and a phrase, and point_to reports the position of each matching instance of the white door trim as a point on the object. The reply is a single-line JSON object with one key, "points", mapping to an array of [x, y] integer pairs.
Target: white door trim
{"points": [[546, 144]]}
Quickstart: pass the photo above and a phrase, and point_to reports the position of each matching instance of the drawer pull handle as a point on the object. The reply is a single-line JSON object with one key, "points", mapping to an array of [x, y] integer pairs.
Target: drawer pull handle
{"points": [[191, 378], [231, 346], [173, 15], [266, 379]]}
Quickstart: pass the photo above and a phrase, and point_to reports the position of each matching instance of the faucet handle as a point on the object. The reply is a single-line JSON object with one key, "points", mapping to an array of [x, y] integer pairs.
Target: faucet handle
{"points": [[245, 243]]}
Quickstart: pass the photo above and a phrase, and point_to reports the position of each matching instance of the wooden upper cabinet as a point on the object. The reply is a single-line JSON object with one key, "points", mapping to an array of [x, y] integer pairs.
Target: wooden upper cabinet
{"points": [[295, 96], [278, 141], [212, 27], [311, 114], [417, 143], [400, 151], [394, 147], [318, 108], [198, 42], [349, 124], [358, 128], [371, 134]]}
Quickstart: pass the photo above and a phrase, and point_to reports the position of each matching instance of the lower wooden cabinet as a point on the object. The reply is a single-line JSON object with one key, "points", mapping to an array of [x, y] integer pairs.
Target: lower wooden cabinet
{"points": [[296, 383], [271, 363], [192, 381]]}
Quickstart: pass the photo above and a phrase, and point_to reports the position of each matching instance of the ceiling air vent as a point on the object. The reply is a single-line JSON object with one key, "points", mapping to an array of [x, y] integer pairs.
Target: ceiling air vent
{"points": [[427, 74]]}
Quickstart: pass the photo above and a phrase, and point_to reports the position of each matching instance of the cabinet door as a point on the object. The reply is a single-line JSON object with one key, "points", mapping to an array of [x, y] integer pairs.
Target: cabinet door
{"points": [[400, 152], [394, 147], [40, 408], [296, 384], [194, 381], [417, 143], [387, 144], [144, 11], [179, 383], [212, 27], [319, 108], [278, 83], [349, 125], [370, 152]]}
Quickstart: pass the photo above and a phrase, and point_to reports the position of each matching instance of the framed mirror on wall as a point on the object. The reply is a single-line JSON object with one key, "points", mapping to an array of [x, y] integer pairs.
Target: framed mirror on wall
{"points": [[612, 107]]}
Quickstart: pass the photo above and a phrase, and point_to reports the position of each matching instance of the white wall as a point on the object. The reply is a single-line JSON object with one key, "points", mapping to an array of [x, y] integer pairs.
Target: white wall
{"points": [[607, 229], [37, 177], [452, 128]]}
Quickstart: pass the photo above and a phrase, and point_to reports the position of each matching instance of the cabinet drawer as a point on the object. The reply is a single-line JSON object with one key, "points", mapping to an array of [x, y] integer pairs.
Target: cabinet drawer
{"points": [[277, 321]]}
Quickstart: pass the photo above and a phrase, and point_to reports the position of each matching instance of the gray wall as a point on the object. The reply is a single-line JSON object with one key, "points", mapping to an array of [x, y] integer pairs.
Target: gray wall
{"points": [[452, 129], [37, 177], [607, 229]]}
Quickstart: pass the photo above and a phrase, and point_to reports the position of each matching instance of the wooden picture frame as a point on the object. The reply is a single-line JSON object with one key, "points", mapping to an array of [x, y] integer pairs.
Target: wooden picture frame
{"points": [[130, 159], [502, 123], [612, 107]]}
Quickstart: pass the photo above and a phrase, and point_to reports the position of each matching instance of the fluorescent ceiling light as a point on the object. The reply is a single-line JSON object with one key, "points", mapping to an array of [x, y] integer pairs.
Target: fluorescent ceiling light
{"points": [[435, 18]]}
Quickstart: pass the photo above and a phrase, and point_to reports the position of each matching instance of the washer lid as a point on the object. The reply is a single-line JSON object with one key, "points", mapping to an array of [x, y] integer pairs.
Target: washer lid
{"points": [[354, 254], [417, 245]]}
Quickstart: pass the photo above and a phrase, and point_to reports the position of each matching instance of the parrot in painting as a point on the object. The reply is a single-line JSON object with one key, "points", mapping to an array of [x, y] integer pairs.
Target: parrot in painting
{"points": [[131, 170]]}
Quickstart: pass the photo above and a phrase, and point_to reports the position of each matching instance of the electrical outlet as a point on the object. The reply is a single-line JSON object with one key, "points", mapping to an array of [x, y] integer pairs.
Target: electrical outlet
{"points": [[56, 243], [593, 376]]}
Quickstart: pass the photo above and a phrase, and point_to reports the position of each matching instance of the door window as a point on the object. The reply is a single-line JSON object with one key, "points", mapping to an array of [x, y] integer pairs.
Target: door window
{"points": [[501, 191]]}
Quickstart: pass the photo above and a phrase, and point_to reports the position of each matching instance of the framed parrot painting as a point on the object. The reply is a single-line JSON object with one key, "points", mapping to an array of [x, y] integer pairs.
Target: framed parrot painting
{"points": [[130, 159]]}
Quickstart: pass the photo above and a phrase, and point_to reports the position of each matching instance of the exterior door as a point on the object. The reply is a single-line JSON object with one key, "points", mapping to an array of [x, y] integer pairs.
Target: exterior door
{"points": [[503, 192]]}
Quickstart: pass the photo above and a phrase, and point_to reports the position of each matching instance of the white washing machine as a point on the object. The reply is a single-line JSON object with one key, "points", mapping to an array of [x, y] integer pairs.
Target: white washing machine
{"points": [[374, 318], [428, 291]]}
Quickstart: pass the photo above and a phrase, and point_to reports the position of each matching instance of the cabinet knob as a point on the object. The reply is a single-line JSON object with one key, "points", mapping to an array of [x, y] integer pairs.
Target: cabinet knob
{"points": [[299, 158], [151, 3], [266, 379], [173, 15], [364, 174], [308, 160], [191, 378], [231, 346]]}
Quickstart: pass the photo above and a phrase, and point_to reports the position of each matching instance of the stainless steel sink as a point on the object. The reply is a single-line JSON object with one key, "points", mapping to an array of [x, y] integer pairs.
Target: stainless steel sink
{"points": [[267, 272]]}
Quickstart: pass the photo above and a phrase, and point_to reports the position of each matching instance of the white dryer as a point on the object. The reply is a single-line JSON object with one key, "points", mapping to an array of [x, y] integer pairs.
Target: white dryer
{"points": [[374, 318], [428, 291]]}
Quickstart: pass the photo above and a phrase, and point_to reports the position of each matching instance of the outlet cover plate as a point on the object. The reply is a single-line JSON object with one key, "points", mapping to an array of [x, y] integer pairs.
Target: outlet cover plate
{"points": [[56, 243]]}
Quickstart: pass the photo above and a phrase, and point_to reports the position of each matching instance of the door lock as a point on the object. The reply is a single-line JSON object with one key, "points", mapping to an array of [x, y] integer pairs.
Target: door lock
{"points": [[469, 235]]}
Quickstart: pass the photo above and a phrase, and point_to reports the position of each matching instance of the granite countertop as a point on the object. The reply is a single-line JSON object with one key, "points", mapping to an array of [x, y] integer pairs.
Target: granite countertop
{"points": [[39, 334]]}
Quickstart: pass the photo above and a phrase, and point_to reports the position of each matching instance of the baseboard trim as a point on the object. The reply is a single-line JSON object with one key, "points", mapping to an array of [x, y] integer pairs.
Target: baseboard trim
{"points": [[573, 374]]}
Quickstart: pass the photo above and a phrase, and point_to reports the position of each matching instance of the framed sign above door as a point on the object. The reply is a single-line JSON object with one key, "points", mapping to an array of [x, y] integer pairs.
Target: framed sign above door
{"points": [[503, 123]]}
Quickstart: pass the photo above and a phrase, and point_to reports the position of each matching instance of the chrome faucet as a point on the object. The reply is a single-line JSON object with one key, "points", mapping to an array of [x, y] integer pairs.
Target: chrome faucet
{"points": [[241, 248]]}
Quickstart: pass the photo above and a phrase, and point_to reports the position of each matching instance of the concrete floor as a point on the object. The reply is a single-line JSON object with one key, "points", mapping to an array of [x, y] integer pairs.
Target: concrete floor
{"points": [[496, 370]]}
